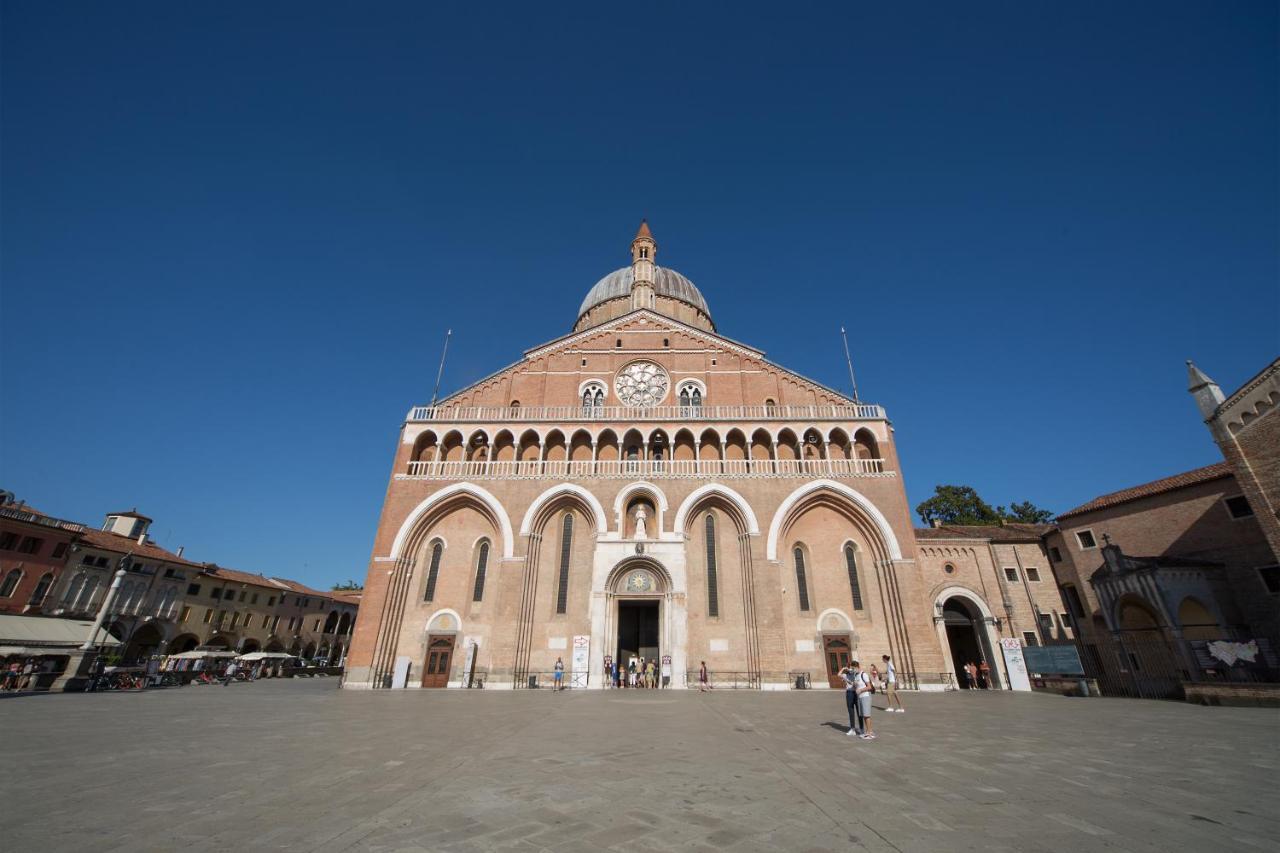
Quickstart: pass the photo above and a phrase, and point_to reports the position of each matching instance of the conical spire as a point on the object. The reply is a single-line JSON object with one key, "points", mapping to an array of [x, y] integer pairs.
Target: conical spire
{"points": [[1206, 392], [1196, 377], [644, 230]]}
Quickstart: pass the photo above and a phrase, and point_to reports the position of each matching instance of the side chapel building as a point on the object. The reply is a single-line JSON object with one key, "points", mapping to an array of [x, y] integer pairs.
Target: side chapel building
{"points": [[646, 486]]}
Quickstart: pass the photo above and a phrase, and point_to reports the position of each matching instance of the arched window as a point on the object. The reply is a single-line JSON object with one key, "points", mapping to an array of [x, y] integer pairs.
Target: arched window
{"points": [[566, 547], [515, 405], [851, 561], [770, 407], [42, 588], [802, 582], [713, 592], [433, 573], [695, 398], [482, 563], [592, 398], [69, 594], [10, 583], [684, 398]]}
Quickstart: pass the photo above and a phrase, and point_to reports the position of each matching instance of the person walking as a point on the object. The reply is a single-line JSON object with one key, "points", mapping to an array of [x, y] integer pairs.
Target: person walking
{"points": [[559, 674], [230, 674], [891, 696], [704, 683], [631, 672], [653, 673], [984, 673], [608, 672], [971, 674], [666, 672]]}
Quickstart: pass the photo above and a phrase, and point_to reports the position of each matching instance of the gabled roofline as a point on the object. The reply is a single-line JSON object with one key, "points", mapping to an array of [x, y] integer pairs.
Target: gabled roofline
{"points": [[565, 340]]}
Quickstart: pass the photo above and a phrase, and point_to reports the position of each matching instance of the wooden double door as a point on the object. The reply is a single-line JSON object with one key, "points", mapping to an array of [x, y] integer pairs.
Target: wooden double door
{"points": [[837, 654], [435, 671]]}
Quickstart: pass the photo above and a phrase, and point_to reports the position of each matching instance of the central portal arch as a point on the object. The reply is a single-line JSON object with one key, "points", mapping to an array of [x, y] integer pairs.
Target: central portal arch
{"points": [[639, 623]]}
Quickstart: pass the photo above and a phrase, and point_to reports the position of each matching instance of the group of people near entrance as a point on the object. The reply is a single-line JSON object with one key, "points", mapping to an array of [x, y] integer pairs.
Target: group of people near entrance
{"points": [[977, 676], [639, 672], [860, 686]]}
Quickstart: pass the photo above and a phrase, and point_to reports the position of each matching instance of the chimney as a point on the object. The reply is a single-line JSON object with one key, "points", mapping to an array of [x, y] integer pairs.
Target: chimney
{"points": [[142, 538], [936, 523]]}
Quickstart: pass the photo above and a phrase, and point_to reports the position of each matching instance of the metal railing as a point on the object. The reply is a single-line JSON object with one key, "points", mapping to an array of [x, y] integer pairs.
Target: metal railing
{"points": [[630, 468], [726, 679], [457, 414], [548, 680]]}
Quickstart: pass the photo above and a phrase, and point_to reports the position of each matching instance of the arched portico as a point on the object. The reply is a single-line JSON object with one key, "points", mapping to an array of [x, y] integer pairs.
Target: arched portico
{"points": [[699, 494], [797, 499], [958, 610], [592, 502], [491, 504]]}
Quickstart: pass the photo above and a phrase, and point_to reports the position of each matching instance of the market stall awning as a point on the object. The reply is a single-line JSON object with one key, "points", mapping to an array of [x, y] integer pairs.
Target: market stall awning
{"points": [[46, 634]]}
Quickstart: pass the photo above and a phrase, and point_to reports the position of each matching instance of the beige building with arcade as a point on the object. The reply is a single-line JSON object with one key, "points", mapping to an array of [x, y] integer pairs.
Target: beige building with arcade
{"points": [[647, 486]]}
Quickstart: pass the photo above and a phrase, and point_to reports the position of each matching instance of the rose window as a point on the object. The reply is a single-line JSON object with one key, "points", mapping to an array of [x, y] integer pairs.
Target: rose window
{"points": [[641, 384]]}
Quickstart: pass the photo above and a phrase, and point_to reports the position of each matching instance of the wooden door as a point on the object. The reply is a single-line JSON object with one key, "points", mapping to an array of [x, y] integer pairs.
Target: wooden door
{"points": [[836, 652], [435, 672]]}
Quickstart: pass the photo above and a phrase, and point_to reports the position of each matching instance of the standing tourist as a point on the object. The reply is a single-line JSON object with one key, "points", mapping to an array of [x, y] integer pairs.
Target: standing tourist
{"points": [[851, 702], [984, 673], [863, 690], [608, 671], [559, 674], [703, 684], [631, 672], [651, 671], [891, 696], [666, 672]]}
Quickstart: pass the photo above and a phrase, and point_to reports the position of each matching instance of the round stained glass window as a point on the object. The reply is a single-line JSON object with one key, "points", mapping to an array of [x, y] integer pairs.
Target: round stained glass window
{"points": [[642, 384]]}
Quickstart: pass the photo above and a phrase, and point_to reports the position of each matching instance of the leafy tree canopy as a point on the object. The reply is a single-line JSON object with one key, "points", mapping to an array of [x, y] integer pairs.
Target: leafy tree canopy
{"points": [[963, 505], [349, 586]]}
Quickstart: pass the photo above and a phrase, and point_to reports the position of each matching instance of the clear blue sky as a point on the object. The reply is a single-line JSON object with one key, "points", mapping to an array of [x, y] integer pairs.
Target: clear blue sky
{"points": [[234, 234]]}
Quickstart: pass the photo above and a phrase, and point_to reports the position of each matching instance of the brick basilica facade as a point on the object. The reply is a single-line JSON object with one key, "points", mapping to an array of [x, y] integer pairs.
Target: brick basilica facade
{"points": [[646, 486]]}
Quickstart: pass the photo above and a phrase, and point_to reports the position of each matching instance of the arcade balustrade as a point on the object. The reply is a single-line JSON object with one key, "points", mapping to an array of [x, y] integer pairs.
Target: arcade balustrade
{"points": [[632, 468], [628, 414]]}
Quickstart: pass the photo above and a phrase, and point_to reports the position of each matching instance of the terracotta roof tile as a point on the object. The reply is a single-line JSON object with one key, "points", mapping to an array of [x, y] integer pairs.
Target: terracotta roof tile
{"points": [[108, 541], [1011, 532], [236, 576], [1156, 487]]}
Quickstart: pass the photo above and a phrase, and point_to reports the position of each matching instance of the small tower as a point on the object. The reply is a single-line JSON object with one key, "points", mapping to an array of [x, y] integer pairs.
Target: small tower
{"points": [[1207, 393], [643, 250]]}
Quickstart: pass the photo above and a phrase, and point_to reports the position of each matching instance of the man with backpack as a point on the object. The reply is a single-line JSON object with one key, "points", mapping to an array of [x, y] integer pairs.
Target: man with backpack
{"points": [[857, 696]]}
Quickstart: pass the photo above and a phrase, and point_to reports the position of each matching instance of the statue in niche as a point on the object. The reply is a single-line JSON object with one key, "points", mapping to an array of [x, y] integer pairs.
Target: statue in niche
{"points": [[640, 517]]}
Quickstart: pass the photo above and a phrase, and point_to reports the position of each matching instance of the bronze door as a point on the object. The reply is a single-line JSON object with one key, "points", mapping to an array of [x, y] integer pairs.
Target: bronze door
{"points": [[836, 652], [439, 655]]}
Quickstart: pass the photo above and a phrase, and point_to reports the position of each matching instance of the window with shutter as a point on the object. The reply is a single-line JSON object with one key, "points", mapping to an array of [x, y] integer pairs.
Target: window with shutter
{"points": [[713, 592], [433, 573], [851, 561], [802, 583], [566, 546]]}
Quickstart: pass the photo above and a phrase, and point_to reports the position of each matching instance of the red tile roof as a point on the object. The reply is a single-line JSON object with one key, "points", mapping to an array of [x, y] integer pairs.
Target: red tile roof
{"points": [[108, 541], [1156, 487], [236, 576], [1011, 532]]}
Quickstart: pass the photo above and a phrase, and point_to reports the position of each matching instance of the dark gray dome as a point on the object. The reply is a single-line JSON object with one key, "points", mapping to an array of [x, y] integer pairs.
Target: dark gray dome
{"points": [[666, 282]]}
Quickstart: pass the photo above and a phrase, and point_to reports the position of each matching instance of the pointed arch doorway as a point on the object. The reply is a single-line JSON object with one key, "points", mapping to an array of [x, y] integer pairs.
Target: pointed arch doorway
{"points": [[638, 627]]}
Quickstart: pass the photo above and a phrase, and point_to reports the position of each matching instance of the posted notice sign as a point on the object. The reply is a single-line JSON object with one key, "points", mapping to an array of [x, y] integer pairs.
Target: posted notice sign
{"points": [[1014, 663]]}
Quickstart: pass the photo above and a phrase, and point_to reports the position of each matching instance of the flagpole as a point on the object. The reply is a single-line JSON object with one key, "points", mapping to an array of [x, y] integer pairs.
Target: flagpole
{"points": [[849, 362], [440, 372]]}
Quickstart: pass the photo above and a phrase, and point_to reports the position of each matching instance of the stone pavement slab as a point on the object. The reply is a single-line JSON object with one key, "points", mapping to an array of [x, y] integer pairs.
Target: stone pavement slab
{"points": [[302, 766]]}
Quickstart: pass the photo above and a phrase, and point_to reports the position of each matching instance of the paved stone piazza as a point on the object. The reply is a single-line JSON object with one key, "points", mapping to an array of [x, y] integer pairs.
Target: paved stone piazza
{"points": [[300, 765]]}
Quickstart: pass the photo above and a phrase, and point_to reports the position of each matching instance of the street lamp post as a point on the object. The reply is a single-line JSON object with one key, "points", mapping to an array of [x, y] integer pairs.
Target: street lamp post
{"points": [[90, 643]]}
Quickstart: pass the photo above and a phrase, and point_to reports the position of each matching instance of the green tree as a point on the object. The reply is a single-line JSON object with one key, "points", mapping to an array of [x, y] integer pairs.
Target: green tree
{"points": [[349, 586], [963, 505], [1027, 513], [957, 505]]}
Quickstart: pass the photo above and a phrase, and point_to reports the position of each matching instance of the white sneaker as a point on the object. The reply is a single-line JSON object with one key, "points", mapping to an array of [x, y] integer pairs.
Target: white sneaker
{"points": [[851, 733], [902, 710]]}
